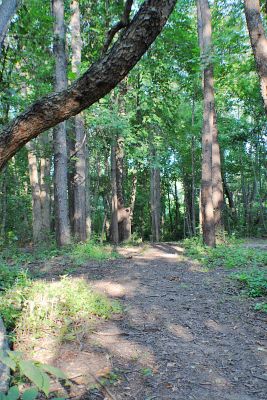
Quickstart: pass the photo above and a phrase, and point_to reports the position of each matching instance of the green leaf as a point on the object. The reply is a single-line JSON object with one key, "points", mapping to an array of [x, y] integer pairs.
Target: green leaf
{"points": [[7, 361], [36, 375], [15, 355], [53, 371], [30, 394], [13, 393]]}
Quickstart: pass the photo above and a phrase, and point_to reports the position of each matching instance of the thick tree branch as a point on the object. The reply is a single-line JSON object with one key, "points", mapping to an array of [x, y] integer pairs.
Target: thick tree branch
{"points": [[97, 81], [123, 23]]}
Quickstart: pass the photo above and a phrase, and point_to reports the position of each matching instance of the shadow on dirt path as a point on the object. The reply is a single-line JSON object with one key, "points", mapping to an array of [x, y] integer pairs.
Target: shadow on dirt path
{"points": [[185, 333]]}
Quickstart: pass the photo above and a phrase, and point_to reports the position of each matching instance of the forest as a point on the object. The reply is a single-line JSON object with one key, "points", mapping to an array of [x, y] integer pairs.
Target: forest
{"points": [[133, 199]]}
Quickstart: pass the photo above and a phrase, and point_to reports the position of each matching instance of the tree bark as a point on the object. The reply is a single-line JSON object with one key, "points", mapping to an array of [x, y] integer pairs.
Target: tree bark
{"points": [[4, 203], [59, 135], [204, 28], [193, 171], [155, 197], [45, 166], [36, 195], [97, 81], [258, 43], [114, 231], [79, 220], [7, 10]]}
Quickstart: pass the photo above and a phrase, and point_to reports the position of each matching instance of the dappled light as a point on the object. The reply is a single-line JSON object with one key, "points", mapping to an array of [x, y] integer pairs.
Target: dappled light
{"points": [[133, 206]]}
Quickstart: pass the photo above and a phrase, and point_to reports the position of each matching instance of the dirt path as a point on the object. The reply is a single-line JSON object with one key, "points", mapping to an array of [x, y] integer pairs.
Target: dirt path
{"points": [[185, 334]]}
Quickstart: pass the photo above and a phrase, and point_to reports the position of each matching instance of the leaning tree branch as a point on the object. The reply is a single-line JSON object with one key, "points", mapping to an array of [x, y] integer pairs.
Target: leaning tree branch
{"points": [[98, 80], [123, 23]]}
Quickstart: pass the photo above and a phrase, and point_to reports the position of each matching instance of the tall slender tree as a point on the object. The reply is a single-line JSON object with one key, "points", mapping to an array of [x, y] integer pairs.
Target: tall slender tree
{"points": [[211, 182], [59, 135], [80, 209], [258, 42], [7, 10]]}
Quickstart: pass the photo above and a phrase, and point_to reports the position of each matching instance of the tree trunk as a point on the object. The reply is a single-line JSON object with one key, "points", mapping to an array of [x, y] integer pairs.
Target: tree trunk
{"points": [[97, 81], [114, 231], [4, 203], [258, 43], [36, 195], [7, 10], [193, 211], [177, 208], [88, 194], [59, 135], [79, 222], [45, 166], [155, 198], [204, 28], [169, 207]]}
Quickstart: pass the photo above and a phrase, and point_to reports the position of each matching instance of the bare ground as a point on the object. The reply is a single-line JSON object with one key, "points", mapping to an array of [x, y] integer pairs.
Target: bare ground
{"points": [[186, 333]]}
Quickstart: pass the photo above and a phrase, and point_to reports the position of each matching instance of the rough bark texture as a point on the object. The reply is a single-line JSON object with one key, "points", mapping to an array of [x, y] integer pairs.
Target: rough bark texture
{"points": [[99, 79], [258, 42], [155, 198], [124, 219], [204, 29], [3, 194], [217, 184], [114, 231], [59, 135], [36, 194], [45, 166], [79, 218], [7, 10]]}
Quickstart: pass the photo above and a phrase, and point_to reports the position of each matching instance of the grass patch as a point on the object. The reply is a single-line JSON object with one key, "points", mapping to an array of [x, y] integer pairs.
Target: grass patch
{"points": [[83, 252], [251, 263], [229, 255], [32, 308]]}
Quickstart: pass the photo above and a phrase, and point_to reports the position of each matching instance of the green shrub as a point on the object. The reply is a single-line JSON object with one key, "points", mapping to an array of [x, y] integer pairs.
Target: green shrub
{"points": [[228, 255], [254, 282]]}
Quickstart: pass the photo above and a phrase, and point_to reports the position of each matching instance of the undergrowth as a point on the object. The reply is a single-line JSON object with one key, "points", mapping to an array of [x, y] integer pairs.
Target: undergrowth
{"points": [[83, 252], [30, 306], [250, 262]]}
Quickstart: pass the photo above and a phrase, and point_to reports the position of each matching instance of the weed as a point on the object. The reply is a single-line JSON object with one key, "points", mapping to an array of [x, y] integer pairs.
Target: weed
{"points": [[251, 262], [254, 282], [81, 253]]}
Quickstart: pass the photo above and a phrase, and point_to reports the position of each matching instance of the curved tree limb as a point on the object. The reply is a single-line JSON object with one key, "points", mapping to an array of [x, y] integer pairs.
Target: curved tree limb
{"points": [[98, 80]]}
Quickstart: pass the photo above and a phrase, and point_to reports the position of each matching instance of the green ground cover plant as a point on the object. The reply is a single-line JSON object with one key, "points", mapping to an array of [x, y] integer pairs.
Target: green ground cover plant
{"points": [[251, 263]]}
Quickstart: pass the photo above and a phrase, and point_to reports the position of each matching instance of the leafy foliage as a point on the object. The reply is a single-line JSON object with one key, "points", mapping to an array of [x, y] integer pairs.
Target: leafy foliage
{"points": [[33, 371]]}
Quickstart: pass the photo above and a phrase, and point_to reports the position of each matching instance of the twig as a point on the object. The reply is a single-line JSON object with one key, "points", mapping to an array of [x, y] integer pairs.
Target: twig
{"points": [[123, 23], [103, 386], [259, 377]]}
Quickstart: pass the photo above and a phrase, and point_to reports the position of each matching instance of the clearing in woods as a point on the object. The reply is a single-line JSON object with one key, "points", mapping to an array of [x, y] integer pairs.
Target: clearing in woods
{"points": [[186, 333]]}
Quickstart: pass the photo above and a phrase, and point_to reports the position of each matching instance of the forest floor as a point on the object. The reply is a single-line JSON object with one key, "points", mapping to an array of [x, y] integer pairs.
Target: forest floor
{"points": [[185, 332]]}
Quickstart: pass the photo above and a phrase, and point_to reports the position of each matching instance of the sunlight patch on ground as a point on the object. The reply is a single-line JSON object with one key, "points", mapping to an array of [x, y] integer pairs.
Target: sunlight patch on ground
{"points": [[115, 290], [181, 332]]}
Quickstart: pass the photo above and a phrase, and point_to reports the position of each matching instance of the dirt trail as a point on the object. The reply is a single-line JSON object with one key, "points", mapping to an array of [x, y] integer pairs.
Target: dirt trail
{"points": [[185, 334]]}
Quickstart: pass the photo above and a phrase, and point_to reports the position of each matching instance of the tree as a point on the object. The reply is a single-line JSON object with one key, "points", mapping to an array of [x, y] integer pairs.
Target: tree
{"points": [[7, 10], [79, 179], [258, 43], [211, 185], [97, 81], [59, 134]]}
